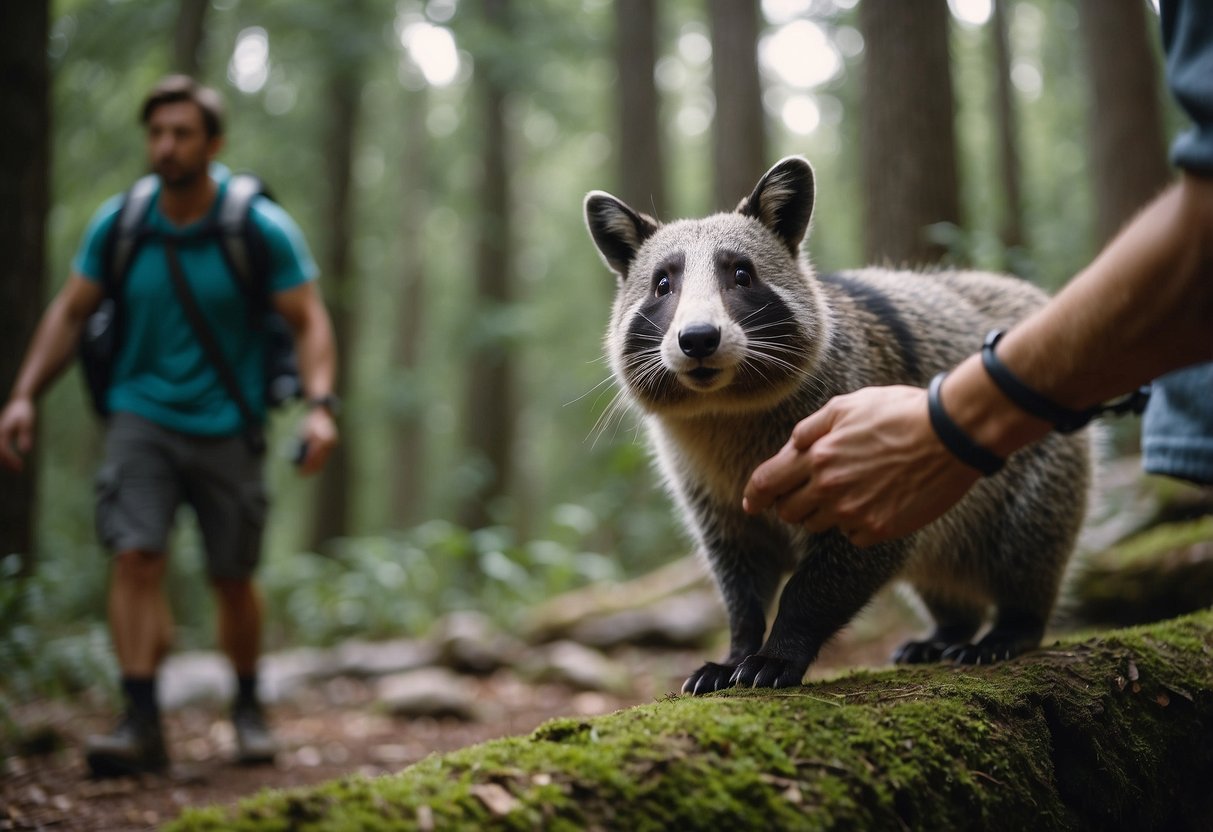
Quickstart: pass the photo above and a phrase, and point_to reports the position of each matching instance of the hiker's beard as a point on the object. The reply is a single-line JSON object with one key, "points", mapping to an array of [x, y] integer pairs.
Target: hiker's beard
{"points": [[175, 176]]}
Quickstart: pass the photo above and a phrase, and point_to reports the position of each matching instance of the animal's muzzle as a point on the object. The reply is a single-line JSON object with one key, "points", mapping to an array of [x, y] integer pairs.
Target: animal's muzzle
{"points": [[699, 340]]}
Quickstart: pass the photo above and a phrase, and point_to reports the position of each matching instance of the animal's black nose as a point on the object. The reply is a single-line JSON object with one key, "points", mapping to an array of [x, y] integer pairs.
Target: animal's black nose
{"points": [[699, 340]]}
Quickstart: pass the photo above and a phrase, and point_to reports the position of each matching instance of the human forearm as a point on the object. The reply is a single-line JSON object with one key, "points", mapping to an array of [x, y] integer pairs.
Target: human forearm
{"points": [[55, 338], [49, 351], [1143, 307], [315, 347]]}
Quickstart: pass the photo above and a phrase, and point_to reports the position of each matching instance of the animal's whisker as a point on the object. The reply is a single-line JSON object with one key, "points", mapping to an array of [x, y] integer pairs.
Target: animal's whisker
{"points": [[602, 383]]}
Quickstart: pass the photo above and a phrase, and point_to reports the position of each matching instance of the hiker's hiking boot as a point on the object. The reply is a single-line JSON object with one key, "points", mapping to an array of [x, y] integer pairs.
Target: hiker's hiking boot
{"points": [[254, 742], [136, 746]]}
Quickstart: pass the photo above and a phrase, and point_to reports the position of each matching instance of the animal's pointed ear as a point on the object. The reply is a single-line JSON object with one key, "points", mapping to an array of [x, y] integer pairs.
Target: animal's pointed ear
{"points": [[618, 231], [783, 201]]}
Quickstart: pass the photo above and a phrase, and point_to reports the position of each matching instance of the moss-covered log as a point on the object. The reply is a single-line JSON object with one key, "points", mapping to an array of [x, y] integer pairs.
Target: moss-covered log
{"points": [[1158, 574], [1113, 732]]}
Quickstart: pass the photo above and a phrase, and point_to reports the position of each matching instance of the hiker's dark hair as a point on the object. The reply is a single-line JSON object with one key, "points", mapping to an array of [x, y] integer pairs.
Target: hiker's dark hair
{"points": [[174, 88]]}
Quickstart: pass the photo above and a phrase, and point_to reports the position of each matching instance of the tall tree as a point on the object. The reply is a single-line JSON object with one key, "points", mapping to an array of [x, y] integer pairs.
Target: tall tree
{"points": [[408, 436], [1128, 148], [24, 200], [739, 154], [640, 157], [490, 410], [1011, 231], [907, 131], [188, 36], [343, 91]]}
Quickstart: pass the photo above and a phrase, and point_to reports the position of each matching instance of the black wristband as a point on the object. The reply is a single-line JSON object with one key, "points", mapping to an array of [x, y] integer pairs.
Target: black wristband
{"points": [[1027, 399], [329, 402], [955, 439]]}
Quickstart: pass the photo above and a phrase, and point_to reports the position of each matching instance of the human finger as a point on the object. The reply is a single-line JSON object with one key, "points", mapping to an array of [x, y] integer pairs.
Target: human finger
{"points": [[814, 426], [9, 458], [796, 505], [821, 520], [16, 441], [316, 454], [782, 473]]}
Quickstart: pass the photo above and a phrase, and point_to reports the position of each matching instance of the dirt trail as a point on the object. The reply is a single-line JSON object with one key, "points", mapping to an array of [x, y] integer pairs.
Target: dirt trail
{"points": [[331, 729]]}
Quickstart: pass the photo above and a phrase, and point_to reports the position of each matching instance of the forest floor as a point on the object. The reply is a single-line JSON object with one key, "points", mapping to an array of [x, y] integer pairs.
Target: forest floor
{"points": [[333, 729]]}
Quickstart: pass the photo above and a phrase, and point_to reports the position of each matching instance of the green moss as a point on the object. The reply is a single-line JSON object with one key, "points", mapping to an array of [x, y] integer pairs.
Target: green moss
{"points": [[1158, 540], [1103, 733]]}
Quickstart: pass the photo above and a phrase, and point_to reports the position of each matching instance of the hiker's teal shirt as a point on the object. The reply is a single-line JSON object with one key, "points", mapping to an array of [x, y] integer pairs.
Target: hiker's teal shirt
{"points": [[161, 372]]}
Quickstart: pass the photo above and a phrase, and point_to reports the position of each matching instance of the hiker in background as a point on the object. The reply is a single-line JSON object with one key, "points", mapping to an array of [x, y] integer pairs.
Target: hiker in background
{"points": [[184, 396]]}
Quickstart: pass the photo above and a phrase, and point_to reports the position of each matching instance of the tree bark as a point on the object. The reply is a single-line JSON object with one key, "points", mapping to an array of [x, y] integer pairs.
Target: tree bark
{"points": [[1011, 228], [24, 201], [408, 429], [332, 510], [907, 130], [640, 157], [1107, 733], [1128, 149], [739, 129], [188, 37], [490, 410]]}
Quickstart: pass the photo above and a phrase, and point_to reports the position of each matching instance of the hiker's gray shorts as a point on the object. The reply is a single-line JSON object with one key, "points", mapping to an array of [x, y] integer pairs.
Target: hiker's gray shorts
{"points": [[149, 471]]}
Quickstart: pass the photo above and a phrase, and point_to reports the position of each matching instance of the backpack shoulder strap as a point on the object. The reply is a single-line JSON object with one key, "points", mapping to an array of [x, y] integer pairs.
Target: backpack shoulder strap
{"points": [[242, 244], [127, 231]]}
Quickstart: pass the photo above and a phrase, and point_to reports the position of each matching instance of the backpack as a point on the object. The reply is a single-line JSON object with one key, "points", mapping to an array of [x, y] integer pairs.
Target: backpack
{"points": [[247, 258]]}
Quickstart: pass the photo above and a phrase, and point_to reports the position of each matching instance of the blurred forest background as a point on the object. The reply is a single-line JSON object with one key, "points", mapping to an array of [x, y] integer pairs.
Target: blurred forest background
{"points": [[436, 155]]}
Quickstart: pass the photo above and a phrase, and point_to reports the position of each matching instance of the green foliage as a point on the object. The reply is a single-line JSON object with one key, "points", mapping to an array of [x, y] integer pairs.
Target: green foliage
{"points": [[39, 654], [380, 587]]}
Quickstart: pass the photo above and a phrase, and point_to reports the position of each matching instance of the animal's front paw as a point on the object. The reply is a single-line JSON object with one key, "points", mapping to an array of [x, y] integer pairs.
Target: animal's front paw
{"points": [[710, 677], [759, 671], [921, 652], [990, 650]]}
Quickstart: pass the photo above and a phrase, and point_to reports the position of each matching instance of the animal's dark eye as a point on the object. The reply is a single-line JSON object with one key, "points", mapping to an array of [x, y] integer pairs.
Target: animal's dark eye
{"points": [[742, 276], [663, 286]]}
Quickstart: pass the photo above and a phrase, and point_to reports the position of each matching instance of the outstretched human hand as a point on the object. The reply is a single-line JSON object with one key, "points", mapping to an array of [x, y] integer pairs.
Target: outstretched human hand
{"points": [[868, 463]]}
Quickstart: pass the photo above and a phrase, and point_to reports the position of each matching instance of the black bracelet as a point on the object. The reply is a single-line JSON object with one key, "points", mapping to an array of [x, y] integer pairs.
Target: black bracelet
{"points": [[1063, 419], [955, 439]]}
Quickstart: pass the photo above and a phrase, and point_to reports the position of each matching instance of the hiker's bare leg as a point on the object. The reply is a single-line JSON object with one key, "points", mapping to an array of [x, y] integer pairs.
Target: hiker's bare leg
{"points": [[141, 624], [239, 622]]}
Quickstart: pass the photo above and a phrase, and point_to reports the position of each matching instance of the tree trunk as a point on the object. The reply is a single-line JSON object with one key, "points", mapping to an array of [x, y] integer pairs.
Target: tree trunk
{"points": [[1011, 231], [490, 413], [408, 430], [907, 131], [188, 36], [24, 201], [332, 510], [1108, 733], [641, 163], [739, 129], [1128, 149]]}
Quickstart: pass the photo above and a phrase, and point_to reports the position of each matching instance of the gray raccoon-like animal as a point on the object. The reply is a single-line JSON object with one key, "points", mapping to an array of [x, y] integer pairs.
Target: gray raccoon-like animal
{"points": [[724, 339]]}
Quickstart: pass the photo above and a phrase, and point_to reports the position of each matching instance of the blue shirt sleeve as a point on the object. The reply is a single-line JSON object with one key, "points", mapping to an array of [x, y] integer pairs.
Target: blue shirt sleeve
{"points": [[89, 261], [291, 262], [1187, 37]]}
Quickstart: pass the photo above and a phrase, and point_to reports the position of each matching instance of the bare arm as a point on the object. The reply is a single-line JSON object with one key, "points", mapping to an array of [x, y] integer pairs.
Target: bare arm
{"points": [[1142, 308], [304, 310], [49, 352], [869, 462]]}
